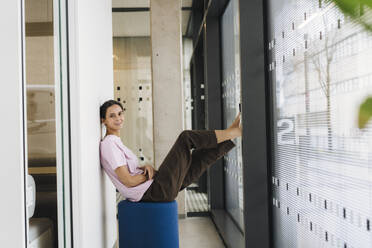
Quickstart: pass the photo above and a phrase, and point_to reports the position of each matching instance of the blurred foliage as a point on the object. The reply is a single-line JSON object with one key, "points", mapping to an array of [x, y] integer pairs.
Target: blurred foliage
{"points": [[358, 10], [365, 112]]}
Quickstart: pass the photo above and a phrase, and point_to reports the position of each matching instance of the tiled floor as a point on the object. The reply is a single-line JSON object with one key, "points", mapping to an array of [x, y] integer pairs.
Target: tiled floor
{"points": [[198, 232], [196, 201]]}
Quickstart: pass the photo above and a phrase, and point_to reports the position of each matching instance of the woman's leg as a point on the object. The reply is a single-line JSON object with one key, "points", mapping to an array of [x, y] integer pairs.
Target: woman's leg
{"points": [[172, 172], [202, 159]]}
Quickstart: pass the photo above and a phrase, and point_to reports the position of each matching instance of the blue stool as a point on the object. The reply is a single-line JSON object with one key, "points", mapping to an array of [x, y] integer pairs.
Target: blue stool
{"points": [[148, 224]]}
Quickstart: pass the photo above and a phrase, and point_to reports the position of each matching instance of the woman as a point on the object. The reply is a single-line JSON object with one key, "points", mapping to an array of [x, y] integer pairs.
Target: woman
{"points": [[179, 169]]}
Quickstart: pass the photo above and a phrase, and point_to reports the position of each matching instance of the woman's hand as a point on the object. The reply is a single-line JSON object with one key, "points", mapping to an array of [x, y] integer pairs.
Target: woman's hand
{"points": [[148, 171]]}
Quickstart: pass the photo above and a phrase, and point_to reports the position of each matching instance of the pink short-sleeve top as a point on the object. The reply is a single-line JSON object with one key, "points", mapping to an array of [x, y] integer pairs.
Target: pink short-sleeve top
{"points": [[114, 154]]}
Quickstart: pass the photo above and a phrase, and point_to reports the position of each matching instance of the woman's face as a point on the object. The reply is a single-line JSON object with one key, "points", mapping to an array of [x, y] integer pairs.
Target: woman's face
{"points": [[114, 118]]}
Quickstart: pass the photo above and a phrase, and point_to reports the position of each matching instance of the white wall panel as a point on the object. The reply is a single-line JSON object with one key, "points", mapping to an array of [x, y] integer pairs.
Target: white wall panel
{"points": [[12, 207], [91, 71]]}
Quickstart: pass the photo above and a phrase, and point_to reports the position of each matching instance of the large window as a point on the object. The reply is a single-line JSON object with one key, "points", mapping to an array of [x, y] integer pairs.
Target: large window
{"points": [[231, 99], [47, 140], [322, 173], [41, 129]]}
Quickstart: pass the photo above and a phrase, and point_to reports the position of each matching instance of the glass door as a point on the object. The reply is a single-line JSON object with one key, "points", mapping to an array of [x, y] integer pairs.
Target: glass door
{"points": [[47, 123]]}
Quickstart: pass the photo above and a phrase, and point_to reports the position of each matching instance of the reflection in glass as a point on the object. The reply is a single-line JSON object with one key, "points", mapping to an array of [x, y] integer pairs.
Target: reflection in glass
{"points": [[41, 132]]}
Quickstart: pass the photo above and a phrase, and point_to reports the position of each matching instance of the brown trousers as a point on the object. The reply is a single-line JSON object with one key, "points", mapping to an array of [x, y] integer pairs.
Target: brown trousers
{"points": [[181, 167]]}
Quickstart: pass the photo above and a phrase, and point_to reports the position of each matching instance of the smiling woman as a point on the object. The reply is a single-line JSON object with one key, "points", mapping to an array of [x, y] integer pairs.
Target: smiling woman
{"points": [[112, 116], [119, 162], [191, 155]]}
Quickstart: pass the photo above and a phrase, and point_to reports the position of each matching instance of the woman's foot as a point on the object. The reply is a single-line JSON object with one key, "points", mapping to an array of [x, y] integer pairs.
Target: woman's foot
{"points": [[236, 128], [232, 132]]}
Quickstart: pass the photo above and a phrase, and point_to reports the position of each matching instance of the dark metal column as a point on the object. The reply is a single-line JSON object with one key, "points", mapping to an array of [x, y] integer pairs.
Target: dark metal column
{"points": [[197, 92], [212, 78], [255, 124]]}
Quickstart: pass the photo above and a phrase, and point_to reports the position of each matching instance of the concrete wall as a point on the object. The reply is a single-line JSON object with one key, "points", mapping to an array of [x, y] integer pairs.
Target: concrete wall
{"points": [[12, 209], [166, 43], [91, 80]]}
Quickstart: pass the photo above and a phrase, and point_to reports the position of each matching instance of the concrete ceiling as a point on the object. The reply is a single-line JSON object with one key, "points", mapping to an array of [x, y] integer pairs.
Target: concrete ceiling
{"points": [[129, 24]]}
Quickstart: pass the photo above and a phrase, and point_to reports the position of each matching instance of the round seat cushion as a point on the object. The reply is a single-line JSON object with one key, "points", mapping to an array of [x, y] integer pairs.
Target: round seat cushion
{"points": [[148, 224]]}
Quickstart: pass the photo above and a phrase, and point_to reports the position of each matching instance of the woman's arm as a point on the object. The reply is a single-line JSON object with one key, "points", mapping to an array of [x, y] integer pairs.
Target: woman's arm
{"points": [[127, 179], [148, 171]]}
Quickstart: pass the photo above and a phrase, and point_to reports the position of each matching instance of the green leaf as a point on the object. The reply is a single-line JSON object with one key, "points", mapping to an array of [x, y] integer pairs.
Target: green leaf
{"points": [[348, 7], [351, 8], [365, 112], [367, 3]]}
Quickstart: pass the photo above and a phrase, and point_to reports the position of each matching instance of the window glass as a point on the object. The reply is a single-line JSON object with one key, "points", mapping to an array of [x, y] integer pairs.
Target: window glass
{"points": [[231, 99], [41, 124], [322, 173]]}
